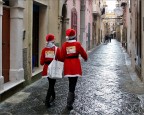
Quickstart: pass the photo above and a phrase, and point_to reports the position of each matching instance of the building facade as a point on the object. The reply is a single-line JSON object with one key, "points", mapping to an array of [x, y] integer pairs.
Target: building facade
{"points": [[132, 33], [35, 29], [132, 16], [11, 44], [23, 27], [98, 21]]}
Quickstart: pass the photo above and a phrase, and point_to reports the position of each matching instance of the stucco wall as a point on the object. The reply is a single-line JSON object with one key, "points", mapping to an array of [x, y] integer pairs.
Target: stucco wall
{"points": [[133, 29], [1, 77], [28, 28], [128, 33], [88, 17], [142, 31], [53, 13]]}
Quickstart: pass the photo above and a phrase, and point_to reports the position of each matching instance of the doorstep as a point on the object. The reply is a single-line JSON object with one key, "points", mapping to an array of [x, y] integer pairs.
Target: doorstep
{"points": [[10, 85]]}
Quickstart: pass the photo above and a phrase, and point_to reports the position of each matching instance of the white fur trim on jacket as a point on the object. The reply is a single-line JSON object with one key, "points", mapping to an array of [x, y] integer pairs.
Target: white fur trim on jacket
{"points": [[76, 75]]}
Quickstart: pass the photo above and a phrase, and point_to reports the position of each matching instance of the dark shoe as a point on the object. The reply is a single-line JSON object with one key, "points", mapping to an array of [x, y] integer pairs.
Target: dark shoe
{"points": [[70, 100], [69, 107], [47, 103]]}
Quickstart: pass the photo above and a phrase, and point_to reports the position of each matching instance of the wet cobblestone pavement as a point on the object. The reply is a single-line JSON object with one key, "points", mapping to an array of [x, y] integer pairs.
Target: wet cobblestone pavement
{"points": [[106, 88]]}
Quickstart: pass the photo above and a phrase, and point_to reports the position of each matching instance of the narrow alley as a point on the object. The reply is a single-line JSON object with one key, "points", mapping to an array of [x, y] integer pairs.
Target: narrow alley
{"points": [[106, 88]]}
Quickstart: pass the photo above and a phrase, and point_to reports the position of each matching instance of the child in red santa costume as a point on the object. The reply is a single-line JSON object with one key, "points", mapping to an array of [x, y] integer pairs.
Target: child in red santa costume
{"points": [[47, 56], [71, 49]]}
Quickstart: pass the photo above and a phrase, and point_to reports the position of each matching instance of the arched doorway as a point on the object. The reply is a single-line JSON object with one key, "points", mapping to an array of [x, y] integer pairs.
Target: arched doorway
{"points": [[64, 15], [74, 19]]}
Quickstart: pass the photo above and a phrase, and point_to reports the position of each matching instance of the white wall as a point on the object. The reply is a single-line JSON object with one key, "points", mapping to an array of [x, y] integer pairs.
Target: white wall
{"points": [[142, 31], [1, 77]]}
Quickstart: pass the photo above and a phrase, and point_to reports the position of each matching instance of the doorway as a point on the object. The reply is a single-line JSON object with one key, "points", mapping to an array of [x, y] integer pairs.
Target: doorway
{"points": [[6, 43], [138, 37], [35, 39]]}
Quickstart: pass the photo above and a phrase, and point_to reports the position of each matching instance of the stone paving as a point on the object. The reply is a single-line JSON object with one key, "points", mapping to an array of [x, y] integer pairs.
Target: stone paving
{"points": [[108, 87]]}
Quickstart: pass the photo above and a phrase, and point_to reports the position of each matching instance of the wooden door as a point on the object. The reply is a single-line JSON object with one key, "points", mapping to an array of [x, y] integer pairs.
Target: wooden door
{"points": [[6, 43]]}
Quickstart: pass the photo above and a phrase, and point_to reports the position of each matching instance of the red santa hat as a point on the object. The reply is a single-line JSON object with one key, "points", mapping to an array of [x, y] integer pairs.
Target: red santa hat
{"points": [[50, 37], [70, 33]]}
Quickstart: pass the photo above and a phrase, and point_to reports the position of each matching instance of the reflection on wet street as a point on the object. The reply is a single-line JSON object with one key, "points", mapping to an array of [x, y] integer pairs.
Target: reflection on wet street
{"points": [[103, 88]]}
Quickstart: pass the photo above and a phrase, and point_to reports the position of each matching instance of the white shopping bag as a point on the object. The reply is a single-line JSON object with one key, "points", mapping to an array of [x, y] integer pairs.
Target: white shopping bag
{"points": [[55, 68]]}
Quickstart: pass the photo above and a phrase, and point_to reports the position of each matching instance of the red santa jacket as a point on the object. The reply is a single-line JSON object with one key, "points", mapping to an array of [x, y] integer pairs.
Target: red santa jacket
{"points": [[70, 55], [47, 56]]}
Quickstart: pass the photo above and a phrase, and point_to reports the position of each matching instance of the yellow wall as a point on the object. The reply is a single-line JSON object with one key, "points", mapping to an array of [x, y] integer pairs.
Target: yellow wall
{"points": [[53, 23]]}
